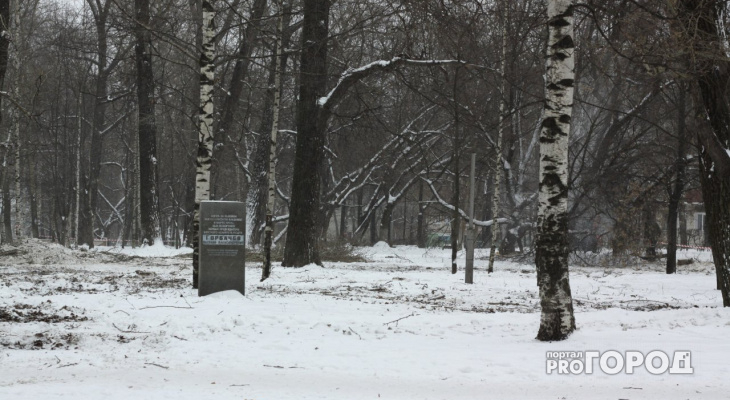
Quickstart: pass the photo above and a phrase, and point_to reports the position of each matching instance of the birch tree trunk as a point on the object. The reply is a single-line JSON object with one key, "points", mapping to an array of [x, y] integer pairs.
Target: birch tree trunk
{"points": [[205, 121], [78, 169], [4, 45], [14, 112], [33, 189], [147, 130], [256, 195], [420, 224], [456, 195], [270, 203], [557, 320], [7, 222], [500, 134]]}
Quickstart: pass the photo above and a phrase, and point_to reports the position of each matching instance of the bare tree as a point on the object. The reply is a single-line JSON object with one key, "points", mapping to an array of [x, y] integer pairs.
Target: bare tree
{"points": [[704, 39], [147, 130], [301, 240]]}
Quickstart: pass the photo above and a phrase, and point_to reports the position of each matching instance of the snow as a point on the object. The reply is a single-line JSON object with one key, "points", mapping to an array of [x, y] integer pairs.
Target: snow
{"points": [[399, 326], [158, 249]]}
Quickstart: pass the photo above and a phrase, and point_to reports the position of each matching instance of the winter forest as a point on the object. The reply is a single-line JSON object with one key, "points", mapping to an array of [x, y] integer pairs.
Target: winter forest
{"points": [[396, 144]]}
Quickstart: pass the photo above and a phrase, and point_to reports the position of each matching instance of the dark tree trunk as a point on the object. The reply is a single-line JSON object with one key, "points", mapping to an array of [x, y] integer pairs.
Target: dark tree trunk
{"points": [[7, 222], [421, 228], [89, 195], [713, 77], [224, 163], [257, 191], [487, 231], [358, 217], [373, 229], [456, 198], [147, 132], [4, 44], [343, 222], [509, 242], [128, 194], [675, 193], [301, 239], [34, 199], [405, 220], [652, 230], [386, 220], [683, 238]]}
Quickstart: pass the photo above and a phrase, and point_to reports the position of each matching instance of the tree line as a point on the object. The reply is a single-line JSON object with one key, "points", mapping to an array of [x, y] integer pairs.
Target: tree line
{"points": [[357, 117]]}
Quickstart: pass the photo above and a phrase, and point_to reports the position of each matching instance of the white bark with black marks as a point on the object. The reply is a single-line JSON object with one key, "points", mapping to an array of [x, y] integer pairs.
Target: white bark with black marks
{"points": [[498, 149], [205, 123], [271, 200], [14, 112], [557, 320]]}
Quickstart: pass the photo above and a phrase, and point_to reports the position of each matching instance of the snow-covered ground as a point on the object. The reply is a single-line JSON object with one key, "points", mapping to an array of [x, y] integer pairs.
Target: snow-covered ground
{"points": [[98, 325]]}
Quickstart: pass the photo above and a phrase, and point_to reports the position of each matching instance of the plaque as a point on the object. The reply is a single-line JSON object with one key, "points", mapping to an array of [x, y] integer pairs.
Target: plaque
{"points": [[222, 260]]}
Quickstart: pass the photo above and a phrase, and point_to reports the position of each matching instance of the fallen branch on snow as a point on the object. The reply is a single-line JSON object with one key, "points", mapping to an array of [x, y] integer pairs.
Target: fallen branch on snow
{"points": [[413, 314]]}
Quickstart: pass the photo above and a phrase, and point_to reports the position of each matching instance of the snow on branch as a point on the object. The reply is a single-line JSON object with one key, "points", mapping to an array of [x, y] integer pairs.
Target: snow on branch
{"points": [[719, 155], [446, 205], [352, 76]]}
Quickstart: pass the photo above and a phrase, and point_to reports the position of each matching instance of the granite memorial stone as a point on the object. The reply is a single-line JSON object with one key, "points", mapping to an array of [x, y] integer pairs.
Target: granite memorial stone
{"points": [[222, 247]]}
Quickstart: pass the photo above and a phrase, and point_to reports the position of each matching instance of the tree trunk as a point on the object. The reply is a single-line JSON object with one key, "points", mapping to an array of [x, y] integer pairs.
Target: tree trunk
{"points": [[4, 45], [385, 221], [557, 320], [713, 77], [271, 200], [301, 239], [499, 162], [343, 221], [487, 210], [224, 161], [147, 131], [15, 113], [675, 193], [86, 228], [456, 196], [421, 228], [34, 198], [373, 228], [358, 216], [205, 121], [7, 210], [256, 196], [405, 220]]}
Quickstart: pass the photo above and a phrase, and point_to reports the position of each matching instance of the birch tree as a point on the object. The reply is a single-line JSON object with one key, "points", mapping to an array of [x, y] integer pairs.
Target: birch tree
{"points": [[270, 202], [500, 134], [205, 124], [14, 112], [257, 193], [556, 320]]}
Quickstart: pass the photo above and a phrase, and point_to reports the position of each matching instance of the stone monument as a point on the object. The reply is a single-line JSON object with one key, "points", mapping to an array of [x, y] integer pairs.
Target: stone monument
{"points": [[222, 247]]}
